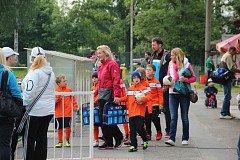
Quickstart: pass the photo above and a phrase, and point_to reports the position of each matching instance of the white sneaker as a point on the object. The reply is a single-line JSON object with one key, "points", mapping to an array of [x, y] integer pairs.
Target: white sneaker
{"points": [[226, 117], [184, 142], [95, 144], [170, 142]]}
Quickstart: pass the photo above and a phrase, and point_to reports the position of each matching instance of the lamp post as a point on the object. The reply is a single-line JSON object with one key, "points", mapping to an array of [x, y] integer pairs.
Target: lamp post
{"points": [[131, 38], [207, 31]]}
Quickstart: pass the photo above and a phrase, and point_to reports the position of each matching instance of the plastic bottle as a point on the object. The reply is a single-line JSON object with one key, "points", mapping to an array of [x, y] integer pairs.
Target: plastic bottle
{"points": [[85, 117], [120, 116], [110, 121], [96, 116], [115, 118]]}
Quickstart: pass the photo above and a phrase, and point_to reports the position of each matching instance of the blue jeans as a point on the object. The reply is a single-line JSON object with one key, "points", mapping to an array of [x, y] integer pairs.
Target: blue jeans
{"points": [[174, 101], [227, 97], [238, 148], [166, 111]]}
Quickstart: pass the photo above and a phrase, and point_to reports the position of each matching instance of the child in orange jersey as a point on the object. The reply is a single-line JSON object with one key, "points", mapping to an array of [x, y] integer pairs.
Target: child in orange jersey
{"points": [[125, 126], [96, 126], [63, 114], [136, 98], [155, 104]]}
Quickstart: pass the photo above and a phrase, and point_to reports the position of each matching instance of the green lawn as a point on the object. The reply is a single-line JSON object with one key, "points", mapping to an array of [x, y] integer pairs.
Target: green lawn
{"points": [[20, 72]]}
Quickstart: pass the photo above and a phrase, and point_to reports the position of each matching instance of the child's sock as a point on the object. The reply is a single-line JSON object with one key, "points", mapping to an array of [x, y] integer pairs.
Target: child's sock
{"points": [[96, 132], [60, 135], [68, 131]]}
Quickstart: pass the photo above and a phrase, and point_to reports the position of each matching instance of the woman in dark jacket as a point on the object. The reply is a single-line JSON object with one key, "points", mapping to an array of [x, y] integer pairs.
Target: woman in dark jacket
{"points": [[109, 90], [7, 123]]}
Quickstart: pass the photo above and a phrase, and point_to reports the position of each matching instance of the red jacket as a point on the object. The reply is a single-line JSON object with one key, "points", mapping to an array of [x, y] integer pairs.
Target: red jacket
{"points": [[69, 103], [156, 94], [109, 76], [134, 108]]}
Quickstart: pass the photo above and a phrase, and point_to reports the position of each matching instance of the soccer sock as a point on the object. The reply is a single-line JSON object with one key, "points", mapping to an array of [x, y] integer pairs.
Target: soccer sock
{"points": [[60, 135], [68, 131]]}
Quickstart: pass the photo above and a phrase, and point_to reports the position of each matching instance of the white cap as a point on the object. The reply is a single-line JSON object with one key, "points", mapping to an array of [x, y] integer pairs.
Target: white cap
{"points": [[9, 52], [37, 51]]}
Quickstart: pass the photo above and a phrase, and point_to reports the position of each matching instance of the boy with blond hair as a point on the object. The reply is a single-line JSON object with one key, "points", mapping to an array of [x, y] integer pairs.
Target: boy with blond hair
{"points": [[63, 114]]}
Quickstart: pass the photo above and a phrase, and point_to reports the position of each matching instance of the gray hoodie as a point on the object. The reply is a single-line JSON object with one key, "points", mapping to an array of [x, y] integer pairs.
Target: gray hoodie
{"points": [[33, 84]]}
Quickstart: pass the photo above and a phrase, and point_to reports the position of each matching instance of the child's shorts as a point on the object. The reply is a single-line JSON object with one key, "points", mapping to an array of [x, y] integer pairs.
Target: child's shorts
{"points": [[63, 120]]}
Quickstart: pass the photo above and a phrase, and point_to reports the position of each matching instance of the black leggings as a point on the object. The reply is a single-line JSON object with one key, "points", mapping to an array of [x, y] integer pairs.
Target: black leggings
{"points": [[153, 118], [109, 131]]}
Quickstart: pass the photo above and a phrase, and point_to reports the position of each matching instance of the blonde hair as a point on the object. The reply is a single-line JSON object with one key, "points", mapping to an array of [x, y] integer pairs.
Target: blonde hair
{"points": [[59, 78], [3, 59], [38, 62], [180, 55], [107, 51], [142, 71]]}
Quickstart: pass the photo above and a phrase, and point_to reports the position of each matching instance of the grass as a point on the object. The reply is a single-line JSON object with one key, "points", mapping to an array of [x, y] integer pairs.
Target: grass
{"points": [[235, 89], [20, 72]]}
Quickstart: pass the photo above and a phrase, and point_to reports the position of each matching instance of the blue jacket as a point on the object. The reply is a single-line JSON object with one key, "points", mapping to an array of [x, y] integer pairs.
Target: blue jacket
{"points": [[211, 90], [12, 84]]}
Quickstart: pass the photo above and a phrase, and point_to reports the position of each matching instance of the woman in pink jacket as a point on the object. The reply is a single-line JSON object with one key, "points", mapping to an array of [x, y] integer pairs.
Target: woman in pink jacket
{"points": [[176, 67]]}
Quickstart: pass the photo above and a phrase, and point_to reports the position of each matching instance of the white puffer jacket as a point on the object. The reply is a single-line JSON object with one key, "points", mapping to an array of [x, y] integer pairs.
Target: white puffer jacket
{"points": [[33, 84]]}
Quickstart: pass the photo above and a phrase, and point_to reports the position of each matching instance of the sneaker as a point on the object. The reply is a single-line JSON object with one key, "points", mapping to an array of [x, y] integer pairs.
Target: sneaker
{"points": [[149, 137], [170, 142], [68, 144], [158, 136], [167, 135], [132, 149], [101, 138], [184, 142], [59, 145], [105, 146], [95, 144], [118, 143], [226, 117], [145, 145]]}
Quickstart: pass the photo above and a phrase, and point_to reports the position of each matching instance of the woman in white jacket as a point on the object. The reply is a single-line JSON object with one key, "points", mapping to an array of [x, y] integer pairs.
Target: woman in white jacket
{"points": [[35, 137]]}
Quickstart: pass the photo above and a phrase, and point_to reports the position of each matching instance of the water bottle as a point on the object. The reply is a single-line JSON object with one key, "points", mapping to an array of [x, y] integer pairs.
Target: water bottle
{"points": [[96, 116], [86, 118], [120, 116], [110, 121], [115, 118]]}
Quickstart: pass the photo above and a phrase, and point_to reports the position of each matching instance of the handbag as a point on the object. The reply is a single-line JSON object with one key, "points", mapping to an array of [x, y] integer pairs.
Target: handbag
{"points": [[192, 95], [8, 105], [29, 107], [105, 93]]}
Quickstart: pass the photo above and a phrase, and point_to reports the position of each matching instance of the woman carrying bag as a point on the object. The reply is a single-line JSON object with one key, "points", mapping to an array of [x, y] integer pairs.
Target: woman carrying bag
{"points": [[40, 76], [7, 123], [109, 90], [176, 68]]}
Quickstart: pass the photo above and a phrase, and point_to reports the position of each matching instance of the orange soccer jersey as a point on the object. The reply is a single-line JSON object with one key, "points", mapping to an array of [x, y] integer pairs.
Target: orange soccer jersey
{"points": [[94, 88], [69, 102], [134, 108], [156, 94]]}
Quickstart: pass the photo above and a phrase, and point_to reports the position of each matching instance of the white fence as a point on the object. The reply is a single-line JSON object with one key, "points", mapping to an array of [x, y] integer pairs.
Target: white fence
{"points": [[81, 138]]}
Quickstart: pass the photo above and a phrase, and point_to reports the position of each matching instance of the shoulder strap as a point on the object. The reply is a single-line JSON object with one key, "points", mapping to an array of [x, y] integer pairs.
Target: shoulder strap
{"points": [[4, 81], [24, 118]]}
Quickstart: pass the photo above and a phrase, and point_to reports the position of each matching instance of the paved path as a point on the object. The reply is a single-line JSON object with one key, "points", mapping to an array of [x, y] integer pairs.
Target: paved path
{"points": [[211, 138]]}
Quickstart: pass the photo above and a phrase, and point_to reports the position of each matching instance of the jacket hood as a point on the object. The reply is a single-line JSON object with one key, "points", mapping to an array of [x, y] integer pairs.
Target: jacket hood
{"points": [[47, 69], [185, 61]]}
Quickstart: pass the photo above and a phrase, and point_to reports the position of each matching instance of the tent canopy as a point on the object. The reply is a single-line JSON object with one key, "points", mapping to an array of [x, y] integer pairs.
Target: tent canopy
{"points": [[233, 41]]}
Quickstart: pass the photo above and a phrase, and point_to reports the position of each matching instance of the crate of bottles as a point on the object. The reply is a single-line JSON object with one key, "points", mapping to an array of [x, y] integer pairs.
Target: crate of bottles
{"points": [[115, 114], [86, 114]]}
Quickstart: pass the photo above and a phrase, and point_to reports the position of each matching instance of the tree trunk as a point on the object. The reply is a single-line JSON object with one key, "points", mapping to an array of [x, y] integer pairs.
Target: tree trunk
{"points": [[16, 26]]}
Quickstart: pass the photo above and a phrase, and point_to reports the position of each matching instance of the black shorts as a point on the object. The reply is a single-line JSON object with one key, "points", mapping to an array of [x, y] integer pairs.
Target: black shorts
{"points": [[60, 121]]}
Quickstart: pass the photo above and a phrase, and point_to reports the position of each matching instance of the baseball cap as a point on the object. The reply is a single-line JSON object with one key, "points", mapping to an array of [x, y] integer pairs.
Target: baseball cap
{"points": [[9, 52], [37, 51]]}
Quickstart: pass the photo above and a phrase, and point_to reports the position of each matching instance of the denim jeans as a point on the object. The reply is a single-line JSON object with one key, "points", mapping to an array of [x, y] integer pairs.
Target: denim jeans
{"points": [[238, 148], [174, 101], [227, 97]]}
